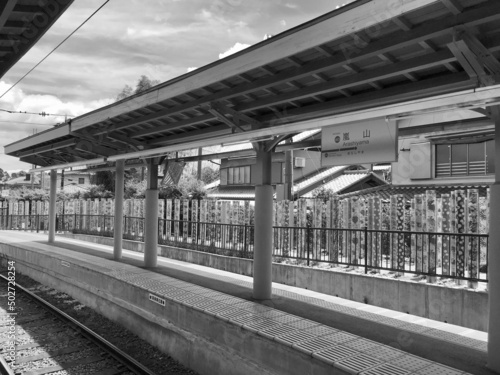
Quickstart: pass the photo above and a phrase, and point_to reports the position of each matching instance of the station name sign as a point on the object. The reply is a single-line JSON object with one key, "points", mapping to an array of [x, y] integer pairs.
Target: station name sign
{"points": [[363, 142]]}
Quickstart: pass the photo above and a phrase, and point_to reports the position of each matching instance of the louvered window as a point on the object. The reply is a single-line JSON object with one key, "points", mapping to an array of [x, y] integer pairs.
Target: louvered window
{"points": [[238, 175], [465, 159]]}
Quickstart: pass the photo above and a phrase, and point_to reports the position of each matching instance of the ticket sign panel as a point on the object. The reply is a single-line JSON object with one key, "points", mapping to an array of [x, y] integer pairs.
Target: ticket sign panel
{"points": [[363, 142]]}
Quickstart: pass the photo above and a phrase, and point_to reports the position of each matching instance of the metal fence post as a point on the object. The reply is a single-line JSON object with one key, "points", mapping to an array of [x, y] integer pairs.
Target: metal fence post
{"points": [[366, 249], [245, 238], [308, 244]]}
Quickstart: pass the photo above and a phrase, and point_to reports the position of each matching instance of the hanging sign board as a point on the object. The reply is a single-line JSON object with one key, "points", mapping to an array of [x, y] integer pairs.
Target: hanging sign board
{"points": [[363, 142]]}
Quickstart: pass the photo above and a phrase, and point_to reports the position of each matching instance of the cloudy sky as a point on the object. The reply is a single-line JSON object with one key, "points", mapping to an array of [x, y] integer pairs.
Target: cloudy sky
{"points": [[126, 39]]}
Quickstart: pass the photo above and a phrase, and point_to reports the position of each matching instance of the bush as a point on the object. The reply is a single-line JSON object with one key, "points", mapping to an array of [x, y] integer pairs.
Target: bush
{"points": [[98, 191]]}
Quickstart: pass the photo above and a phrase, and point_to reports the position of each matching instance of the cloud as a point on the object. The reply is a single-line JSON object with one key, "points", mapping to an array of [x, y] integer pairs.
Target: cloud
{"points": [[191, 68], [126, 39], [236, 48], [283, 23], [16, 126]]}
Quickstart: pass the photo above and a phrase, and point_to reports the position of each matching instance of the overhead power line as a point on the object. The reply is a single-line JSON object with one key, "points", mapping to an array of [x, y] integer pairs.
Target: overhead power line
{"points": [[53, 50], [43, 114], [24, 122]]}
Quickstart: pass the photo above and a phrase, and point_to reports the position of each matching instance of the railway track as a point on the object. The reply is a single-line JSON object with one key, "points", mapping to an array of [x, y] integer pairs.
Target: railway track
{"points": [[37, 338]]}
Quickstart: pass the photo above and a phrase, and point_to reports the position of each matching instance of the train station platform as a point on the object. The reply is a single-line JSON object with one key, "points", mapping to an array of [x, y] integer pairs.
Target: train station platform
{"points": [[206, 318]]}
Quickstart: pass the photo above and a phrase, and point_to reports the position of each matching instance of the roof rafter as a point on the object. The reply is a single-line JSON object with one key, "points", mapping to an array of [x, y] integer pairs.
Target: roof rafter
{"points": [[475, 58], [55, 146], [453, 6], [486, 12]]}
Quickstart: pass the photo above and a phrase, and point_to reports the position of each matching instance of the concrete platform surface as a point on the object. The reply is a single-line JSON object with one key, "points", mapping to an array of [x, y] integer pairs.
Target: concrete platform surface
{"points": [[325, 327]]}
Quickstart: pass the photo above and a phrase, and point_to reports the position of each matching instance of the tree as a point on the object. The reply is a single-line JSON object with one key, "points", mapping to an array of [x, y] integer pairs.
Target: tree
{"points": [[144, 83], [209, 175], [98, 191], [191, 187], [125, 93], [323, 193], [104, 178]]}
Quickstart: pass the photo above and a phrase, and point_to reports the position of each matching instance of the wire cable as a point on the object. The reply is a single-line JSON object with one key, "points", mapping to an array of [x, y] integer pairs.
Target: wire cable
{"points": [[43, 114], [53, 50], [25, 122]]}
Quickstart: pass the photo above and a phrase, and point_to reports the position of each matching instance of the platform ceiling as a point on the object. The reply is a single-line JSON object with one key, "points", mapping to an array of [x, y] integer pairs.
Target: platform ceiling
{"points": [[365, 55], [22, 24]]}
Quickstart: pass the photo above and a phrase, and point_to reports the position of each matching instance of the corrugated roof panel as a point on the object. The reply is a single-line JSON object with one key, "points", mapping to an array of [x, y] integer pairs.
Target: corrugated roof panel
{"points": [[339, 183], [317, 177]]}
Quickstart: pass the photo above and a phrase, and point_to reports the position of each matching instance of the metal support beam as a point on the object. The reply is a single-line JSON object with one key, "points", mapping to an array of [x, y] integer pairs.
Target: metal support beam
{"points": [[52, 205], [119, 192], [151, 216], [494, 256], [263, 234]]}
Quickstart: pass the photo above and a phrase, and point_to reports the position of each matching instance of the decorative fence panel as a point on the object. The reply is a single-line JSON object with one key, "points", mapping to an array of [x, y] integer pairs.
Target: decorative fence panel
{"points": [[422, 234]]}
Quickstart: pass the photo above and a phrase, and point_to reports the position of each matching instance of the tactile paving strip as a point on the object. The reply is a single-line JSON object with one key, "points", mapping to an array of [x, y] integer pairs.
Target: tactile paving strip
{"points": [[340, 337], [410, 362], [224, 298], [277, 330], [361, 344], [303, 324], [253, 307], [271, 314], [335, 354], [358, 363], [416, 328], [214, 310], [315, 345], [321, 330], [203, 304], [457, 339], [261, 324], [232, 313], [250, 318], [385, 369], [294, 337], [185, 296], [193, 300], [436, 369], [384, 352], [383, 319], [287, 318]]}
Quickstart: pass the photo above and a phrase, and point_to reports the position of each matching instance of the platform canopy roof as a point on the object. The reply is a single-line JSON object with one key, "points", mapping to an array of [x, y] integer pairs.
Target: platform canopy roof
{"points": [[22, 24], [368, 59]]}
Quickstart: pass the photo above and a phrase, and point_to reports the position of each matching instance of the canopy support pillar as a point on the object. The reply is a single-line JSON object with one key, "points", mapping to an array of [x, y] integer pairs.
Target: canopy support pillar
{"points": [[118, 226], [494, 256], [52, 205], [263, 234], [151, 216]]}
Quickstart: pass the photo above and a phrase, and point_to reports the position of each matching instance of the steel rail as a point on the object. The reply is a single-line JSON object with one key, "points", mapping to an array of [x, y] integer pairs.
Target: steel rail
{"points": [[111, 349]]}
